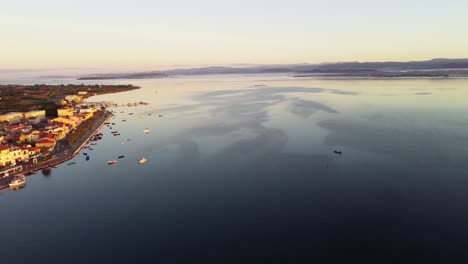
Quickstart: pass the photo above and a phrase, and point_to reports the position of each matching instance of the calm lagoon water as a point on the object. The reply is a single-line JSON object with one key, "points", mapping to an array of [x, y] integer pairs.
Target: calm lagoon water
{"points": [[243, 166]]}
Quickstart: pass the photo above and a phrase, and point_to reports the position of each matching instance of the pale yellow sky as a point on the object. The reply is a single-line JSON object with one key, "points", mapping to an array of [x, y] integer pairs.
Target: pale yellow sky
{"points": [[143, 35]]}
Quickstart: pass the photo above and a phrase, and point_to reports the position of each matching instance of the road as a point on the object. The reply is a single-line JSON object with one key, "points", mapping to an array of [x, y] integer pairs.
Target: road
{"points": [[61, 153]]}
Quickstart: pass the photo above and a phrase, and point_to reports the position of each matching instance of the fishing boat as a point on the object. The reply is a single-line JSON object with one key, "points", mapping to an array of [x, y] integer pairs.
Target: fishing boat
{"points": [[146, 130], [142, 161], [121, 157], [71, 163], [17, 182], [112, 162]]}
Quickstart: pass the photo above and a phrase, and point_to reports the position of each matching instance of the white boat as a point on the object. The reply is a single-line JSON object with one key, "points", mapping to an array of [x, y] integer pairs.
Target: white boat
{"points": [[146, 131], [17, 182], [112, 162], [142, 161]]}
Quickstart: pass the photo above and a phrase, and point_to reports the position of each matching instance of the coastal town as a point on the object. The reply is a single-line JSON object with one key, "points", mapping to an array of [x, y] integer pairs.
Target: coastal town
{"points": [[39, 139]]}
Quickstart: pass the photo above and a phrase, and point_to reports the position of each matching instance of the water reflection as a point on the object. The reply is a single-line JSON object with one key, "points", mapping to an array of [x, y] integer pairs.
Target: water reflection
{"points": [[245, 169]]}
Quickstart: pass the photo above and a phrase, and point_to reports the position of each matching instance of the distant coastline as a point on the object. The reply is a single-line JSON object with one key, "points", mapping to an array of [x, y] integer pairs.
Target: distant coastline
{"points": [[435, 68]]}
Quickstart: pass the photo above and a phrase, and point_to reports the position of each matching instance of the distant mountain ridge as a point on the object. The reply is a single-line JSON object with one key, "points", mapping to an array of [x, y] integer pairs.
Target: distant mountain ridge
{"points": [[339, 67]]}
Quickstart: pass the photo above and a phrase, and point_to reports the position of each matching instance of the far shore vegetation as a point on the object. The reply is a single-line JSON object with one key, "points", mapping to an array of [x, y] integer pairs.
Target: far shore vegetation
{"points": [[23, 98]]}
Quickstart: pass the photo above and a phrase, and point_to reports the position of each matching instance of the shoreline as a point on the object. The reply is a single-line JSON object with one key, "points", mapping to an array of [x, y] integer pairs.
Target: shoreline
{"points": [[65, 156]]}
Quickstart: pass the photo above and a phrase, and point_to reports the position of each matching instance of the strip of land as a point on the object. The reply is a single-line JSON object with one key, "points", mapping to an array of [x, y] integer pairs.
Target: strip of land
{"points": [[23, 98], [61, 154]]}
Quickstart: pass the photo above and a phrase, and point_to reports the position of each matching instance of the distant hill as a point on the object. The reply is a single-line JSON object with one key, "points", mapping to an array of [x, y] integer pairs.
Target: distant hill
{"points": [[365, 69], [411, 65]]}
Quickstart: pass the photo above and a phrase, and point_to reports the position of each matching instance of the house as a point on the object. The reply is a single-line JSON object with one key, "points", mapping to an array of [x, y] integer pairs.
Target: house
{"points": [[46, 142], [12, 117], [34, 114], [57, 134], [31, 137], [59, 121], [69, 111], [11, 155], [19, 128]]}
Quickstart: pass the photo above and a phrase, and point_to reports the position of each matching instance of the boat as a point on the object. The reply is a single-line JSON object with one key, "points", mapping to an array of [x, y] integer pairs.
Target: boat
{"points": [[87, 158], [142, 161], [17, 182], [141, 116], [146, 130], [55, 166], [130, 113], [121, 157], [117, 134], [160, 115], [112, 162], [84, 153], [71, 163]]}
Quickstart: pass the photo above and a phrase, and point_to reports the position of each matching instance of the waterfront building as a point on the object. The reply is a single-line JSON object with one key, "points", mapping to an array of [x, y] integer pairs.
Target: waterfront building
{"points": [[46, 142]]}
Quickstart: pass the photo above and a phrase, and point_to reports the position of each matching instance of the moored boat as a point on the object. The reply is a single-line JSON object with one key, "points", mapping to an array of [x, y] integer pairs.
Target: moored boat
{"points": [[121, 157], [146, 131], [112, 162], [142, 161], [71, 163], [17, 182]]}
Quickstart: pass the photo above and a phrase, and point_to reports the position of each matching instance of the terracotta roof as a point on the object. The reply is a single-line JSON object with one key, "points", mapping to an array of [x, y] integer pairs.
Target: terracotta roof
{"points": [[4, 148], [45, 140]]}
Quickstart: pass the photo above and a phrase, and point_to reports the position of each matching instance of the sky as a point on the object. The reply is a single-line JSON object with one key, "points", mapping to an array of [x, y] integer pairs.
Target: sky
{"points": [[144, 35]]}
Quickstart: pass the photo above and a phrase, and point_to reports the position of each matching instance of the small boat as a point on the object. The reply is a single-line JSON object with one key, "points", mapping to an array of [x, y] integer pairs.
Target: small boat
{"points": [[160, 115], [123, 120], [142, 161], [71, 163], [130, 113], [112, 162], [90, 149], [121, 157], [17, 182], [146, 130], [117, 134], [149, 114], [84, 153], [87, 158]]}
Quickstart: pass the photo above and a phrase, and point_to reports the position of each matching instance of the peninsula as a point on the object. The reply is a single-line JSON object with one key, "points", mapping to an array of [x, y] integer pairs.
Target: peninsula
{"points": [[44, 125], [23, 98]]}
